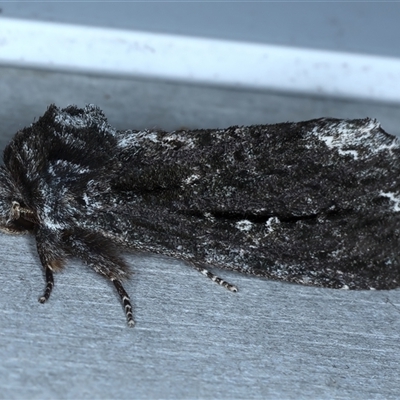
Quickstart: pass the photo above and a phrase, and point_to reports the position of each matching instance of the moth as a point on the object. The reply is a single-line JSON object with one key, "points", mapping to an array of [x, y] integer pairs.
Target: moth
{"points": [[315, 202]]}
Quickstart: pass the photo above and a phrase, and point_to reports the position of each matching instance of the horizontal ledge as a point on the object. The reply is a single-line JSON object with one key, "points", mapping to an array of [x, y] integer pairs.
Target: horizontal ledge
{"points": [[115, 52]]}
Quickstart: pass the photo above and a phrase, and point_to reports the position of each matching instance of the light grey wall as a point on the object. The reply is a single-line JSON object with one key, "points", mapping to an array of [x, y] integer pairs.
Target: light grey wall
{"points": [[193, 339], [368, 27], [137, 103]]}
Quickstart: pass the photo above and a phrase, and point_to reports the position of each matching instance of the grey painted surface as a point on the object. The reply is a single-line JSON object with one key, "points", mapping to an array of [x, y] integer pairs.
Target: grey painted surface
{"points": [[25, 94], [193, 339], [355, 26]]}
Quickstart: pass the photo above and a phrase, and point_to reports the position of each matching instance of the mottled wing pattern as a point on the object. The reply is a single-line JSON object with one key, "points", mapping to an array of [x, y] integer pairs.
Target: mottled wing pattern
{"points": [[313, 202]]}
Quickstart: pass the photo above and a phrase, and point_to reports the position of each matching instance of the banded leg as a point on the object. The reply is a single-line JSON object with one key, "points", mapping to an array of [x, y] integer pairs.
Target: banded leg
{"points": [[49, 286], [216, 278], [126, 302]]}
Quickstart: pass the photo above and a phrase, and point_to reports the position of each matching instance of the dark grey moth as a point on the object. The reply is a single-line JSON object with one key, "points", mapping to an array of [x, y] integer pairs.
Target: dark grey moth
{"points": [[315, 202]]}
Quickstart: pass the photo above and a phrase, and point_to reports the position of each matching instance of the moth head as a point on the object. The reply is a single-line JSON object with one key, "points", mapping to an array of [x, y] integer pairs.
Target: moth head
{"points": [[10, 221]]}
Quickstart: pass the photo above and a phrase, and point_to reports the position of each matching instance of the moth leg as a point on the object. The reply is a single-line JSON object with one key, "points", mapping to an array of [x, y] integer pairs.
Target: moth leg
{"points": [[215, 278], [126, 301], [52, 257], [49, 286], [97, 252]]}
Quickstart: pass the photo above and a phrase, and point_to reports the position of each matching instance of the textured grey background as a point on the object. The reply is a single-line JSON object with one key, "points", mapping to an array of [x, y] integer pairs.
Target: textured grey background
{"points": [[194, 339]]}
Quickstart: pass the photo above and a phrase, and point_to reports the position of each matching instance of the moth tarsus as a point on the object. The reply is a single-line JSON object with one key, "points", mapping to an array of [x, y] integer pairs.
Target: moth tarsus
{"points": [[314, 202], [217, 279], [49, 286], [126, 302]]}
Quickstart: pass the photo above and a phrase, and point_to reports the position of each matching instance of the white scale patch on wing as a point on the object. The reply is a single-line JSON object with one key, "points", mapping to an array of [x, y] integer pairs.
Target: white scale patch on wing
{"points": [[394, 197], [244, 225], [129, 139], [191, 179], [208, 216], [348, 138], [171, 138], [271, 224], [133, 139]]}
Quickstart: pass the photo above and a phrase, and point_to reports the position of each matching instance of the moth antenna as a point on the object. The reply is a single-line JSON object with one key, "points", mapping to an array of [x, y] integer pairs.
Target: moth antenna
{"points": [[126, 302], [49, 286], [215, 278]]}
